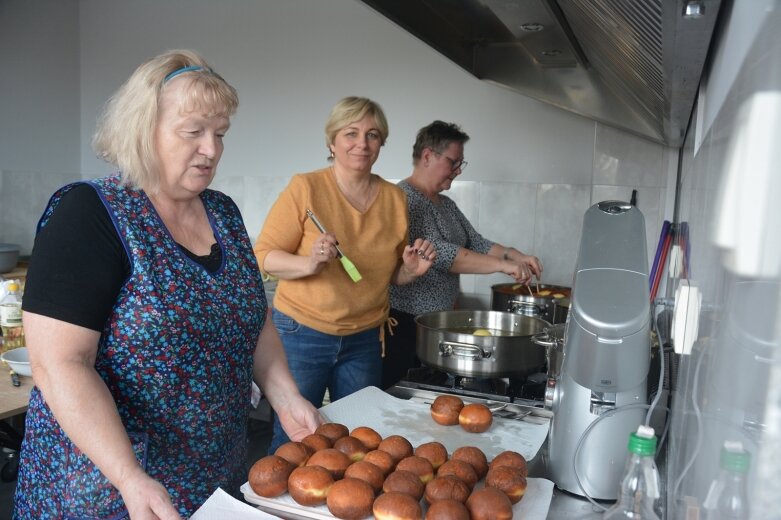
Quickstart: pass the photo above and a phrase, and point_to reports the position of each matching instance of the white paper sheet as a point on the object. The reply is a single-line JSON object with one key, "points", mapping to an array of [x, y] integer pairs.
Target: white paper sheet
{"points": [[221, 506], [392, 416]]}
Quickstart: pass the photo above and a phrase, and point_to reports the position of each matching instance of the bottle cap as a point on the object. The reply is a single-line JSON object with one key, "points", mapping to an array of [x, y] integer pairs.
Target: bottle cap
{"points": [[642, 445], [734, 457]]}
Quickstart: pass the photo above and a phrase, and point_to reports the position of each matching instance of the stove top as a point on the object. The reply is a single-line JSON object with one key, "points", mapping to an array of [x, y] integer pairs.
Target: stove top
{"points": [[529, 391]]}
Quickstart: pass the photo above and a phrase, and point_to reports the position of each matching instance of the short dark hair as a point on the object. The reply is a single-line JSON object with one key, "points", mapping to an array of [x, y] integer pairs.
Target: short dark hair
{"points": [[437, 137]]}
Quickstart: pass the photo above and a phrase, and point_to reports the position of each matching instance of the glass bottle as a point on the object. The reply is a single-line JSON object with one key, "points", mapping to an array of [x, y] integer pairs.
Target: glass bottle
{"points": [[640, 482], [11, 318], [728, 495]]}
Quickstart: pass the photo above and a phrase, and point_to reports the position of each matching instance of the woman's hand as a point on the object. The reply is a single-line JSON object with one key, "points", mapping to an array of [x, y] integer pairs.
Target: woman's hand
{"points": [[417, 259], [520, 272], [147, 499], [298, 417], [520, 266], [323, 251]]}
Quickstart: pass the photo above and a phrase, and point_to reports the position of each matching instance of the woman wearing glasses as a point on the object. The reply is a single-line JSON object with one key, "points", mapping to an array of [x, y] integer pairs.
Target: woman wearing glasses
{"points": [[438, 158]]}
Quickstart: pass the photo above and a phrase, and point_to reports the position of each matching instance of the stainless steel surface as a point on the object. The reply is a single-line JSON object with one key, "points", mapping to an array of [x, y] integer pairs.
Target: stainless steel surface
{"points": [[446, 340], [633, 64], [600, 395]]}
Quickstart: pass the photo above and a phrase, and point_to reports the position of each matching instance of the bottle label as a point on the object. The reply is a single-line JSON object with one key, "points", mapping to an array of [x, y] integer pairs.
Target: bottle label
{"points": [[652, 482], [716, 487], [11, 315]]}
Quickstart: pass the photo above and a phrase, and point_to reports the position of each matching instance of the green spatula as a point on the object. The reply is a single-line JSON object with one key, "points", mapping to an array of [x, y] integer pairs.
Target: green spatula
{"points": [[352, 271]]}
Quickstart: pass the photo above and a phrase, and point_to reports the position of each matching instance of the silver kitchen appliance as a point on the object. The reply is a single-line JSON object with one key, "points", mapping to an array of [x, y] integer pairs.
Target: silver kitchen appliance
{"points": [[599, 396]]}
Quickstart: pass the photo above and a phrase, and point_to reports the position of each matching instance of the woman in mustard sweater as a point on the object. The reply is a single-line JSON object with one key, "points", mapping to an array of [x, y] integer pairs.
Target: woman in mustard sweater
{"points": [[329, 314]]}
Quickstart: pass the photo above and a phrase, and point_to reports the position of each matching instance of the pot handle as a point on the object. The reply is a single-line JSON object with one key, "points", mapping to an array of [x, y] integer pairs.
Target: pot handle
{"points": [[453, 348], [543, 339], [515, 305]]}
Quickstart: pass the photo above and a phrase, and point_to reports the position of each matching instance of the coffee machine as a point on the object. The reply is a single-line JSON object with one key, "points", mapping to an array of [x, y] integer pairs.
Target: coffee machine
{"points": [[600, 395]]}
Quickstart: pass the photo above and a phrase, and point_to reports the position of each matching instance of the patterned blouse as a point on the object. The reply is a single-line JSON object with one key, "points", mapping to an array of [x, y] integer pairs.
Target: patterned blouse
{"points": [[176, 356], [449, 230]]}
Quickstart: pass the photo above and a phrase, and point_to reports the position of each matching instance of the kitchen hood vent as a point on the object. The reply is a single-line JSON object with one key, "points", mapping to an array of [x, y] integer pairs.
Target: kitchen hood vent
{"points": [[632, 64]]}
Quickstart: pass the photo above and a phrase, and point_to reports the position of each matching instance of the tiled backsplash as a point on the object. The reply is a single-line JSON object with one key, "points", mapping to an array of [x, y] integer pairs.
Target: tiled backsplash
{"points": [[541, 219]]}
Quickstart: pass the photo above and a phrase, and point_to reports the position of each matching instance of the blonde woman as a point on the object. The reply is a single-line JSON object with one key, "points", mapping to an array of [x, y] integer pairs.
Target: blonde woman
{"points": [[145, 317], [332, 326]]}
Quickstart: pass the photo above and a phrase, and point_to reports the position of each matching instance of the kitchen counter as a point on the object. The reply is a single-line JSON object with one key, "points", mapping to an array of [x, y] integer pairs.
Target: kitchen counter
{"points": [[13, 399]]}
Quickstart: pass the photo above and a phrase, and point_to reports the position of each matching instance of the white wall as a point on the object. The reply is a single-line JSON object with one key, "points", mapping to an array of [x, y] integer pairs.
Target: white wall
{"points": [[534, 169], [39, 108]]}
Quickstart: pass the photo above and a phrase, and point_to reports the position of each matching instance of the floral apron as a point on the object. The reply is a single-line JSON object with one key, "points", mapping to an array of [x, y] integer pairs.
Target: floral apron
{"points": [[176, 355]]}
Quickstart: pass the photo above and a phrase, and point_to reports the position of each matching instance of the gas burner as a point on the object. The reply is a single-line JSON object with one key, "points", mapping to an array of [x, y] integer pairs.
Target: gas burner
{"points": [[530, 390]]}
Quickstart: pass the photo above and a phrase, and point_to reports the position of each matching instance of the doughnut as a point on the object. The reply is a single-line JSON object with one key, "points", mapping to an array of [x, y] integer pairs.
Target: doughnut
{"points": [[333, 431], [351, 499], [513, 459], [447, 509], [434, 451], [459, 469], [489, 504], [381, 459], [396, 506], [367, 472], [445, 409], [446, 487], [268, 476], [417, 465], [508, 480], [352, 447], [331, 459], [370, 438], [404, 482], [317, 442], [474, 457], [309, 485], [295, 453], [475, 418], [397, 446]]}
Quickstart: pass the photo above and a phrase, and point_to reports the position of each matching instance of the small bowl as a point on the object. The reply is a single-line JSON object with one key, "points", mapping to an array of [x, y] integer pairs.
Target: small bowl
{"points": [[9, 256], [19, 360]]}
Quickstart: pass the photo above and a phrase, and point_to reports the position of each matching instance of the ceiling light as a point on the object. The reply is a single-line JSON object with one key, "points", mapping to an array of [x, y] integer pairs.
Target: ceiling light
{"points": [[694, 9], [532, 27]]}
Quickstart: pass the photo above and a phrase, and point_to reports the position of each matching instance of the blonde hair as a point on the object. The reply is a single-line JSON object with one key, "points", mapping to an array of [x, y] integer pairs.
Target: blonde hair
{"points": [[126, 128], [351, 109]]}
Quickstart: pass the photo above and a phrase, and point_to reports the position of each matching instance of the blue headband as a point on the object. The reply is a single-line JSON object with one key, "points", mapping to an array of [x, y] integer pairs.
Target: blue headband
{"points": [[181, 71]]}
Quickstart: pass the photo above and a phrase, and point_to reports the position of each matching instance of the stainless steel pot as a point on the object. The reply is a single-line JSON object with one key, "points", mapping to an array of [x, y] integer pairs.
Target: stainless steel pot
{"points": [[447, 341], [552, 338], [531, 301]]}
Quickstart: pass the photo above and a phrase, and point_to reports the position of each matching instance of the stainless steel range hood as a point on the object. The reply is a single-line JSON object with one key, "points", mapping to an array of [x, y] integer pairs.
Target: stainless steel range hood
{"points": [[632, 64]]}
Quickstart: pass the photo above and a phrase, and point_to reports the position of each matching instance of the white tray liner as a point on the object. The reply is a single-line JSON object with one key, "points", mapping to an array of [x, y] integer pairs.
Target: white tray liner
{"points": [[389, 415], [392, 416], [533, 506]]}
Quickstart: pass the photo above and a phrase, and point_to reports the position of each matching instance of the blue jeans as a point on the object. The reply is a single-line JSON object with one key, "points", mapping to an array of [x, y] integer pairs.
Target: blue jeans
{"points": [[342, 364]]}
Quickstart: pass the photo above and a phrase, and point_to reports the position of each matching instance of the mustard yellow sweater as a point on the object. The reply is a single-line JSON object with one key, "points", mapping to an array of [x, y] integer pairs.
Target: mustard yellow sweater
{"points": [[374, 241]]}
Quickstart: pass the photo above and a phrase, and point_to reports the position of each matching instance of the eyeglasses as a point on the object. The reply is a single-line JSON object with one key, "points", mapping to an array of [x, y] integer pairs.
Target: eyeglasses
{"points": [[454, 164]]}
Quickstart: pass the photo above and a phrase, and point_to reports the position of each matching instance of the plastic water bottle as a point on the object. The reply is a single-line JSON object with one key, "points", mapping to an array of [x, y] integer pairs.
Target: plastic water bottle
{"points": [[727, 497], [640, 482], [11, 318]]}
